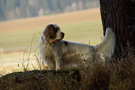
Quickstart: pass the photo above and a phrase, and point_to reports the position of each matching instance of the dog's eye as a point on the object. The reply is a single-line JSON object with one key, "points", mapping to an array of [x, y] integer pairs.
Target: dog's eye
{"points": [[42, 38], [56, 30]]}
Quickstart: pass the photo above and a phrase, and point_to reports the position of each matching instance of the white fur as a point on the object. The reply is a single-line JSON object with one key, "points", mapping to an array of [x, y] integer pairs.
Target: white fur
{"points": [[64, 54], [58, 35], [106, 47]]}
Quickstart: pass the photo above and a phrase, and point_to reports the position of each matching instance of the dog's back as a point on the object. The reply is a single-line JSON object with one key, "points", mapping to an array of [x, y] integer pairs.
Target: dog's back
{"points": [[106, 47], [59, 54]]}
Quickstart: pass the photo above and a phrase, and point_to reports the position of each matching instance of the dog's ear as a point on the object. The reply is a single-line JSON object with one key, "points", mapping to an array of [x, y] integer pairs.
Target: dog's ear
{"points": [[52, 34], [48, 27], [49, 32]]}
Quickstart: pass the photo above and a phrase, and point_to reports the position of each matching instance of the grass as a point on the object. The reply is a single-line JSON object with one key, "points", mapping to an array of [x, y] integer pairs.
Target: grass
{"points": [[16, 35], [41, 22], [80, 26], [116, 75], [80, 32]]}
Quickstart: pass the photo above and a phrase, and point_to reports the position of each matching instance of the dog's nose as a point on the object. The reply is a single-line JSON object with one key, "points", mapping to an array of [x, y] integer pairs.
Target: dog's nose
{"points": [[62, 33]]}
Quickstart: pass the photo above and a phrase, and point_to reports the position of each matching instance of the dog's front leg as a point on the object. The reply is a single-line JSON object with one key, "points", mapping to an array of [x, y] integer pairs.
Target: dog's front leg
{"points": [[58, 63], [50, 64]]}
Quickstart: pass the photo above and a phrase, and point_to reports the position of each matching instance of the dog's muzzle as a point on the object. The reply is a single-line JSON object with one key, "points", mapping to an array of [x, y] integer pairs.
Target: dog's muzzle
{"points": [[62, 35]]}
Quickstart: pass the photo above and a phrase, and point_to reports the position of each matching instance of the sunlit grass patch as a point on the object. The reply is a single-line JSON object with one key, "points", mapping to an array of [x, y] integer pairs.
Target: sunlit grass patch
{"points": [[79, 32]]}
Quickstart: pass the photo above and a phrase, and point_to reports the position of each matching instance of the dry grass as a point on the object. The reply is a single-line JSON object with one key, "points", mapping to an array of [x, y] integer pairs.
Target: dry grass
{"points": [[16, 35], [41, 22], [116, 75]]}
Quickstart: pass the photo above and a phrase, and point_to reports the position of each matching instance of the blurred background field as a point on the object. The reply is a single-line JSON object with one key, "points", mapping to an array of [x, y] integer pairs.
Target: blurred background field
{"points": [[16, 35]]}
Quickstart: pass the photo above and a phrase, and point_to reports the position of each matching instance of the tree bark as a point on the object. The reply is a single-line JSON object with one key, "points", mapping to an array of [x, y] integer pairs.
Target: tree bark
{"points": [[120, 16]]}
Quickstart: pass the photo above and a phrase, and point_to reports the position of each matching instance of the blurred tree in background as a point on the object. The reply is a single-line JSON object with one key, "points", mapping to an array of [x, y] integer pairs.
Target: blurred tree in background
{"points": [[14, 9]]}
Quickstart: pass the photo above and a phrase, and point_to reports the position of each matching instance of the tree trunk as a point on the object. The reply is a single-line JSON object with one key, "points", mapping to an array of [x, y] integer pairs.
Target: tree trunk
{"points": [[120, 16]]}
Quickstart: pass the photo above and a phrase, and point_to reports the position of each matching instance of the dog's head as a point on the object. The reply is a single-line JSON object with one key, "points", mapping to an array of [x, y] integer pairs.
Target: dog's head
{"points": [[52, 33]]}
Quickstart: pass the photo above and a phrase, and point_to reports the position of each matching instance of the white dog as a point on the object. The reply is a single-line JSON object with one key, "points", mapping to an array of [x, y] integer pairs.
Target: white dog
{"points": [[59, 54]]}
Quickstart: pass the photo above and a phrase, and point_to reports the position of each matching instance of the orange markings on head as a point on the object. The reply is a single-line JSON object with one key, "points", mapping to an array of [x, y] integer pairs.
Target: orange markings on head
{"points": [[50, 33]]}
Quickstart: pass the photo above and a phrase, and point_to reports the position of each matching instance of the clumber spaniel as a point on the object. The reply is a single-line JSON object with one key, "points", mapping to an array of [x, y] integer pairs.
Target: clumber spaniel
{"points": [[59, 54]]}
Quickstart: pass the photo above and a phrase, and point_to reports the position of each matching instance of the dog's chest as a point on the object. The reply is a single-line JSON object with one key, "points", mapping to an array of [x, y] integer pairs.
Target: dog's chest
{"points": [[46, 52]]}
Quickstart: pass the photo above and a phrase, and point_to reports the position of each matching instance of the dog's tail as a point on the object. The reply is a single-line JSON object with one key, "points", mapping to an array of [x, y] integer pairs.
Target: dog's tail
{"points": [[106, 47]]}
